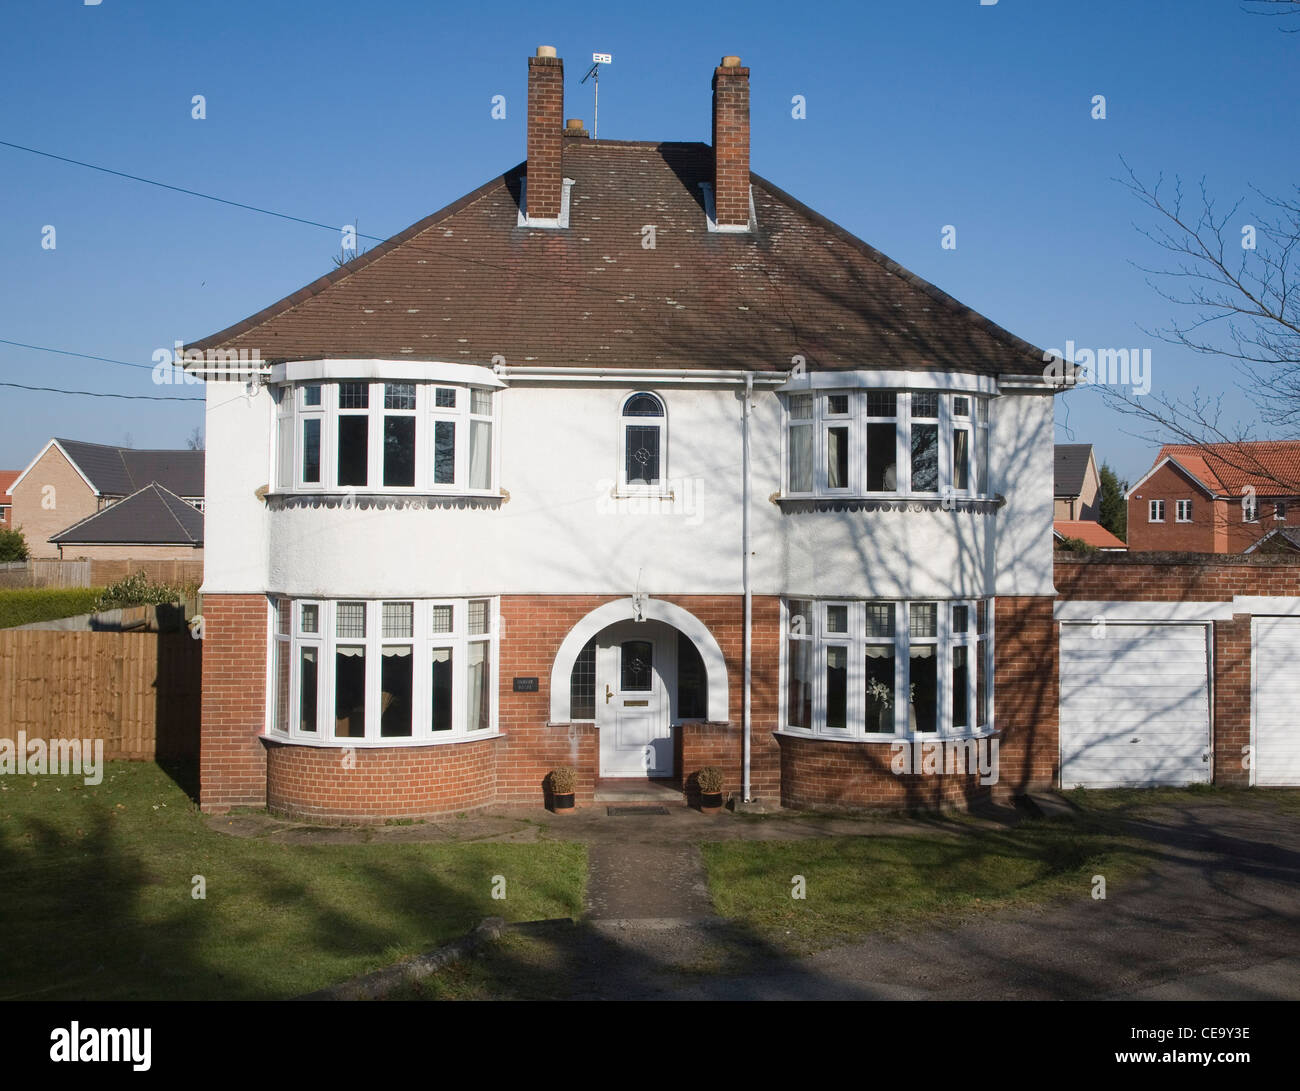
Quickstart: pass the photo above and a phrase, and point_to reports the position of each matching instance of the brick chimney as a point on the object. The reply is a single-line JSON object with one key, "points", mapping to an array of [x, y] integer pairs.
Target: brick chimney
{"points": [[731, 143], [545, 134]]}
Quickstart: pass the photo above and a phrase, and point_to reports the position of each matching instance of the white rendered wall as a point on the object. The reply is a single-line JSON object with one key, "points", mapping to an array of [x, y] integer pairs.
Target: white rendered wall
{"points": [[561, 532], [238, 433]]}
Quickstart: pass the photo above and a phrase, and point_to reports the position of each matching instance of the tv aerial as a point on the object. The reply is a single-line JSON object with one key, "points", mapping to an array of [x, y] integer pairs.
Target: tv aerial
{"points": [[593, 74]]}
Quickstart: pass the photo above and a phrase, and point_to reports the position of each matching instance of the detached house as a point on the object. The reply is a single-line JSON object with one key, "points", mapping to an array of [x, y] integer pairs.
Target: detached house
{"points": [[7, 478], [63, 502], [1218, 498], [528, 485]]}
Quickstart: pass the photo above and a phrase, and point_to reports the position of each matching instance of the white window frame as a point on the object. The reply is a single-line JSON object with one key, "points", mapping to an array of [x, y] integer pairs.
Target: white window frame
{"points": [[857, 641], [1250, 509], [423, 642], [626, 487], [1279, 511], [293, 404], [1182, 511], [1155, 511], [858, 420]]}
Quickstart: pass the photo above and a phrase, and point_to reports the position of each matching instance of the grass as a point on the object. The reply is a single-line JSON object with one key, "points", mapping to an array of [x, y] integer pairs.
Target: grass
{"points": [[858, 885], [24, 605], [1118, 801], [98, 881]]}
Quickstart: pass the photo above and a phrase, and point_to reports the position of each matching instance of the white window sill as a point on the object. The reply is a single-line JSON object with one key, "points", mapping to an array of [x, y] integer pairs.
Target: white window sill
{"points": [[378, 744]]}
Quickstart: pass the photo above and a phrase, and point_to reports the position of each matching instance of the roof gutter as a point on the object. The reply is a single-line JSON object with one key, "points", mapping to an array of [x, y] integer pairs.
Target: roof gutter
{"points": [[658, 375]]}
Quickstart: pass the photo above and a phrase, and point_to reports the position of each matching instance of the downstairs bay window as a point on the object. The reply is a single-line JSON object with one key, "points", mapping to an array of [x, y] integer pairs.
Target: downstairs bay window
{"points": [[881, 670], [383, 672]]}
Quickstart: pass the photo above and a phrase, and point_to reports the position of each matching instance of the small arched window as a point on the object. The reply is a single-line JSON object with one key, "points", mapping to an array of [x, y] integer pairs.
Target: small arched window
{"points": [[643, 442]]}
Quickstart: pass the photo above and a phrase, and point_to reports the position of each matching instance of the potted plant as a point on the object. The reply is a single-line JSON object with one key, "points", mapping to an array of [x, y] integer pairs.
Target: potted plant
{"points": [[709, 780], [564, 781]]}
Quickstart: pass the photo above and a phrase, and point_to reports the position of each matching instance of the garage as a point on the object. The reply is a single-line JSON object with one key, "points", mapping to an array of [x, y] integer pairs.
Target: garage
{"points": [[1135, 704], [1275, 701]]}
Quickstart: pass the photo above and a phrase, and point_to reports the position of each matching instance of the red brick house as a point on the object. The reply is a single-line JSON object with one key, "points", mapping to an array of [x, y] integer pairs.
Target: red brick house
{"points": [[7, 478], [1216, 498], [629, 461]]}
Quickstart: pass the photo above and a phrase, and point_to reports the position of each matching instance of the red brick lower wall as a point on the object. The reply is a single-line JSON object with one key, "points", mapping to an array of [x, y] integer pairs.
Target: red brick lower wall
{"points": [[830, 775], [1232, 684], [232, 761], [342, 784], [1026, 693]]}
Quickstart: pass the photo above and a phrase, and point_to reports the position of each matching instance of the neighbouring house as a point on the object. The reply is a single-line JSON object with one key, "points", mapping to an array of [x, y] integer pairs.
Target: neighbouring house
{"points": [[70, 481], [626, 460], [7, 478], [1078, 484], [1217, 498], [1086, 531], [151, 524]]}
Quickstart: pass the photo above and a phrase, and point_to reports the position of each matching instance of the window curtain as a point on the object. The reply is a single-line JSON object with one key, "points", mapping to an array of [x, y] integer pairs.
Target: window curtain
{"points": [[801, 458], [480, 454]]}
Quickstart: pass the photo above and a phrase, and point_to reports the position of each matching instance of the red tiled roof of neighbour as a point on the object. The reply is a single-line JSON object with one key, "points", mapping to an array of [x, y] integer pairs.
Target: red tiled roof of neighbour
{"points": [[467, 284], [1093, 534], [7, 478], [1269, 466]]}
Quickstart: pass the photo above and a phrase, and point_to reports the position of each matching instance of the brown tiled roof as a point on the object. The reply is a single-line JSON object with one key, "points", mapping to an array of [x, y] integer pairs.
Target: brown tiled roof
{"points": [[1268, 466], [1093, 534], [7, 478], [467, 283]]}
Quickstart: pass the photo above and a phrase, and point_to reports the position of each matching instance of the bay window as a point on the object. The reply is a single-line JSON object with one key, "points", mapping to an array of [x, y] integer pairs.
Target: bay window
{"points": [[388, 671], [883, 670], [385, 437], [856, 443]]}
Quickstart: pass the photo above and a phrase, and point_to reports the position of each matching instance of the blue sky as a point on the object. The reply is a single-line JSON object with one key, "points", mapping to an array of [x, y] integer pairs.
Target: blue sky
{"points": [[918, 116]]}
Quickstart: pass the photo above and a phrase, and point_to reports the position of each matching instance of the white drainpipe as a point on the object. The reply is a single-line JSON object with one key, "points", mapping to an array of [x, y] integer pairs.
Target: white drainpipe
{"points": [[749, 600]]}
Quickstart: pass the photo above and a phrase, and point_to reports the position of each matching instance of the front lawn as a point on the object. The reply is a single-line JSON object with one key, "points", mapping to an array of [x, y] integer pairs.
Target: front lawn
{"points": [[96, 897], [856, 885]]}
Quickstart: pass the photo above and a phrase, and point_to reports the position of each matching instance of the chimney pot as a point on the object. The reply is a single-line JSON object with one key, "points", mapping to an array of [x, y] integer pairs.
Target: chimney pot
{"points": [[730, 62], [546, 51]]}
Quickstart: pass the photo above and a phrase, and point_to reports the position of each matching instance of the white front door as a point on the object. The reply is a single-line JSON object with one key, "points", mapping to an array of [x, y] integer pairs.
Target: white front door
{"points": [[636, 665]]}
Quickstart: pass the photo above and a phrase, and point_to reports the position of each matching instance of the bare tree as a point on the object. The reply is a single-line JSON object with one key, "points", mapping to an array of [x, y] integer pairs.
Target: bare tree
{"points": [[195, 442], [1235, 278]]}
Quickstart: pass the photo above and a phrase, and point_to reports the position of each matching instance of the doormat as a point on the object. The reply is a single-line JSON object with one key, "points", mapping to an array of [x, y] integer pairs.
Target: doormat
{"points": [[618, 812]]}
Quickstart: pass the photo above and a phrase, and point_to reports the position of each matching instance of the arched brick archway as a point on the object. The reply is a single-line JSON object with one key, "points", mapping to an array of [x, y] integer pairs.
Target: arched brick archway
{"points": [[715, 666]]}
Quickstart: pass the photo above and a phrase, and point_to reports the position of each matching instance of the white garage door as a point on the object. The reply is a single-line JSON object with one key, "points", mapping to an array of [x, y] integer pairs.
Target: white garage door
{"points": [[1135, 705], [1277, 700]]}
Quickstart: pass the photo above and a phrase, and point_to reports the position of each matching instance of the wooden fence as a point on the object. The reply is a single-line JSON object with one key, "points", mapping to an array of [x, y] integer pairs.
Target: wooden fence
{"points": [[46, 573], [139, 692], [52, 572]]}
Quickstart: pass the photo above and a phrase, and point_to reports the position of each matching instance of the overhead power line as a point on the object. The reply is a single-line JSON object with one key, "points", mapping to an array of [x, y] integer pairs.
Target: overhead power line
{"points": [[181, 189], [83, 355], [99, 394]]}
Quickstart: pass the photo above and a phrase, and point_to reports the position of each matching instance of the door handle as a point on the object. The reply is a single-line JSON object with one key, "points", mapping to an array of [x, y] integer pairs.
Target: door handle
{"points": [[608, 693]]}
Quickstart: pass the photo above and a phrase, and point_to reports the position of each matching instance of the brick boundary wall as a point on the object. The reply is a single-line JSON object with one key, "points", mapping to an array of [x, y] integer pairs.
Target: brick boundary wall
{"points": [[232, 760], [369, 785], [1194, 577]]}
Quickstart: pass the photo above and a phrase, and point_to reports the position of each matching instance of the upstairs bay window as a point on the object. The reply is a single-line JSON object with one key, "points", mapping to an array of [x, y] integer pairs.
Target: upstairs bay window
{"points": [[848, 665], [385, 437], [383, 672], [883, 442]]}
